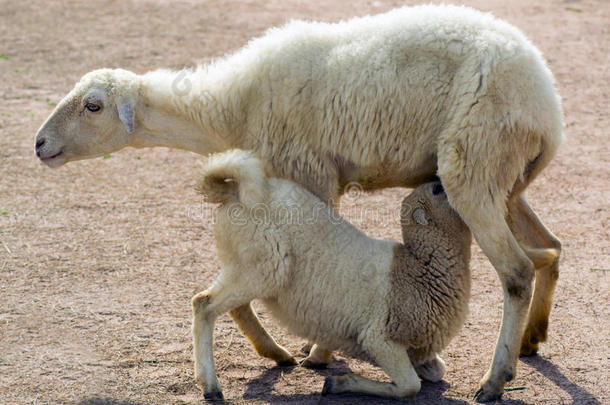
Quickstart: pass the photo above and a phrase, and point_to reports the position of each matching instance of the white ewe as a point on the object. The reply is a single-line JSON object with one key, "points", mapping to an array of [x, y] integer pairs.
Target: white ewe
{"points": [[388, 100], [396, 304]]}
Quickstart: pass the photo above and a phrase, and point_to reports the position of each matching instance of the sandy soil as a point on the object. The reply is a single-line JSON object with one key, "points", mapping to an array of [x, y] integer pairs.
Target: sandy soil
{"points": [[99, 259]]}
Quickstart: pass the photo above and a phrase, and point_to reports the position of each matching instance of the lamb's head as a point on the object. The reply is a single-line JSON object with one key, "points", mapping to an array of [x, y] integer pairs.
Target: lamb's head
{"points": [[94, 119], [427, 206]]}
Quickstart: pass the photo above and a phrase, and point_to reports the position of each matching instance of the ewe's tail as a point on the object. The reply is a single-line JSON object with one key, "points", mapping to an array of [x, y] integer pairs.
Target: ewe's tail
{"points": [[236, 175]]}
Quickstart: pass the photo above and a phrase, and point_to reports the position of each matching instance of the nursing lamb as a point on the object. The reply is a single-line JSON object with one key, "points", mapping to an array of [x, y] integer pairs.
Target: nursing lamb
{"points": [[395, 304]]}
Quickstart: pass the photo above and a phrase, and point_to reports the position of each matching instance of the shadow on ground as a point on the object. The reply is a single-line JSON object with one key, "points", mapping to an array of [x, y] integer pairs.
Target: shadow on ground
{"points": [[549, 370], [107, 401], [261, 389]]}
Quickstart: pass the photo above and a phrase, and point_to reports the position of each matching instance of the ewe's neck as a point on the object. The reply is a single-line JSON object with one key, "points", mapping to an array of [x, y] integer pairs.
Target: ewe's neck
{"points": [[181, 111]]}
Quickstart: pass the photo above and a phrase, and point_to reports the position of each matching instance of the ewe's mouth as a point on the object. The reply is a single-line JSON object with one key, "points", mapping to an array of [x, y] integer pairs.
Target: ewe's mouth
{"points": [[55, 160], [46, 159]]}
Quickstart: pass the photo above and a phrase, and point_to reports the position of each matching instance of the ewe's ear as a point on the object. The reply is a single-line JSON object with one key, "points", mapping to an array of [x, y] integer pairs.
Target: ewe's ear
{"points": [[419, 216], [126, 108]]}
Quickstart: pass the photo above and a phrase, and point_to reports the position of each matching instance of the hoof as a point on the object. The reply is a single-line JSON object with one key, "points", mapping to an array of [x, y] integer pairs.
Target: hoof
{"points": [[213, 396], [530, 353], [482, 396], [532, 339], [528, 350], [492, 388], [312, 365], [328, 386], [288, 362], [306, 348], [432, 370]]}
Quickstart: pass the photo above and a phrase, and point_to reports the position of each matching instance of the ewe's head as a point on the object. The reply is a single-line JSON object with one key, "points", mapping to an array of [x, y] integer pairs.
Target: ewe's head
{"points": [[427, 206], [94, 119]]}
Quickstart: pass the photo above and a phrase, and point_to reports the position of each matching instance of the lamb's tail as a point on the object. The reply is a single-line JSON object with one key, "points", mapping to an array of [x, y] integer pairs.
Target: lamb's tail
{"points": [[235, 175]]}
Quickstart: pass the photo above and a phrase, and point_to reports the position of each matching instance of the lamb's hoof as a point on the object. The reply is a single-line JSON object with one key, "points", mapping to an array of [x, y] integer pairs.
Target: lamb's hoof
{"points": [[307, 363], [432, 370], [306, 348], [289, 362], [213, 396], [328, 386]]}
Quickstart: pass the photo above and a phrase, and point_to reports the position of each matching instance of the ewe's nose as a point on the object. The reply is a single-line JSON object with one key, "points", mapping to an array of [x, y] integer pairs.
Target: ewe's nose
{"points": [[39, 144]]}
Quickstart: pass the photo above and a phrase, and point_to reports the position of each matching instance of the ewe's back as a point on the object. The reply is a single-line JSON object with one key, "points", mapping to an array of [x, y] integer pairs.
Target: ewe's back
{"points": [[406, 28], [376, 93]]}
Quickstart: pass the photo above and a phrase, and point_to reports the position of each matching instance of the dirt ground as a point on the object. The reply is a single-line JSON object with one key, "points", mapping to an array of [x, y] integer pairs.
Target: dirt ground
{"points": [[99, 259]]}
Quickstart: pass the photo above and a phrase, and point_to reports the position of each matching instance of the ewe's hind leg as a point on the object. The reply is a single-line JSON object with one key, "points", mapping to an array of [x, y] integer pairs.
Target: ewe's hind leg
{"points": [[207, 306], [530, 230], [393, 359], [515, 270], [249, 324]]}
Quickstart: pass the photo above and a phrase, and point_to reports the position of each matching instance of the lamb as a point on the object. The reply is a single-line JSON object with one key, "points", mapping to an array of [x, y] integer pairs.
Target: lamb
{"points": [[389, 100], [396, 304]]}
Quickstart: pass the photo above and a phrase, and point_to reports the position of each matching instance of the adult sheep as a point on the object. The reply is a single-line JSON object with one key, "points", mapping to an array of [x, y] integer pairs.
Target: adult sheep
{"points": [[388, 100]]}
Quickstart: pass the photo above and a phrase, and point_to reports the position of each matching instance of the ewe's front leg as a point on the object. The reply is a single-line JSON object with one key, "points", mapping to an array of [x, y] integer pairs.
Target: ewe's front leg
{"points": [[207, 306], [393, 359], [487, 222], [247, 321], [516, 272]]}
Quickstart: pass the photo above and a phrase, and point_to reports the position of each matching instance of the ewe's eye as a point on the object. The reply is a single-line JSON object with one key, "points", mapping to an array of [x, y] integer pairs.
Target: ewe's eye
{"points": [[93, 107]]}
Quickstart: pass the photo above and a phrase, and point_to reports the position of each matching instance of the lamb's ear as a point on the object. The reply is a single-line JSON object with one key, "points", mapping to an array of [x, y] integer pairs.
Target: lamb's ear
{"points": [[126, 107], [419, 216]]}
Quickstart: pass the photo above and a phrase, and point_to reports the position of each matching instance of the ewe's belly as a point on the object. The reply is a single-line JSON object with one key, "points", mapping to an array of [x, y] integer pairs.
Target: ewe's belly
{"points": [[401, 169]]}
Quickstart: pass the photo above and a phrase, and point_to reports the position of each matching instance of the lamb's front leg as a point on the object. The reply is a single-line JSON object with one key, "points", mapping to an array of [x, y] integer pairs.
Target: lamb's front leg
{"points": [[207, 306]]}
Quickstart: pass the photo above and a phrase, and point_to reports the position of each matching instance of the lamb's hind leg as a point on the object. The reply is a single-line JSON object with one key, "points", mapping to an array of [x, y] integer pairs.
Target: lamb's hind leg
{"points": [[393, 359], [247, 321], [317, 358], [530, 230]]}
